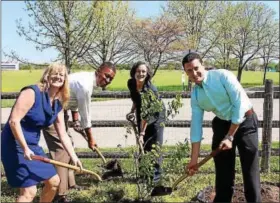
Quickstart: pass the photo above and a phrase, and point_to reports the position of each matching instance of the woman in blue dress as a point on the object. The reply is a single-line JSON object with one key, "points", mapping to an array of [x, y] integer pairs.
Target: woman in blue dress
{"points": [[37, 106]]}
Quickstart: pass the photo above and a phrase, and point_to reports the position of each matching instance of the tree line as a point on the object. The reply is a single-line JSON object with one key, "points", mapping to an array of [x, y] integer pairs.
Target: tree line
{"points": [[228, 34]]}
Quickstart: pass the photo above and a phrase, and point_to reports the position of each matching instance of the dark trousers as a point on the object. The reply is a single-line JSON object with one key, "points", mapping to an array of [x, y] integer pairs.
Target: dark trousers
{"points": [[246, 140], [153, 136]]}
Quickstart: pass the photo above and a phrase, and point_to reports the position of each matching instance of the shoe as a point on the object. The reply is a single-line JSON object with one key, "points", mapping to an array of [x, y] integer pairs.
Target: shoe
{"points": [[61, 199], [77, 187]]}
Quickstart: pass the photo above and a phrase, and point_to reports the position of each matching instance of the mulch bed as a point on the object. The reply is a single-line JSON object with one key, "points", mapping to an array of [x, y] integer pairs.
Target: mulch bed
{"points": [[269, 193]]}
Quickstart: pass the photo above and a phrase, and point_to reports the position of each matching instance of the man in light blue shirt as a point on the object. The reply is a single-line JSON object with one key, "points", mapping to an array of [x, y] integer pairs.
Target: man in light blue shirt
{"points": [[235, 125]]}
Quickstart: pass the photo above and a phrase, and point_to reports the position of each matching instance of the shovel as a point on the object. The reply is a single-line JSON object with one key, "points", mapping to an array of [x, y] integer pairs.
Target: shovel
{"points": [[161, 190], [131, 119], [65, 165], [113, 166]]}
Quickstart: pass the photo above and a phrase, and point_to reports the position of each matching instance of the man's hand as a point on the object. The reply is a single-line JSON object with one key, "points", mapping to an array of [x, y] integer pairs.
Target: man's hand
{"points": [[77, 127], [225, 144], [191, 168], [92, 143]]}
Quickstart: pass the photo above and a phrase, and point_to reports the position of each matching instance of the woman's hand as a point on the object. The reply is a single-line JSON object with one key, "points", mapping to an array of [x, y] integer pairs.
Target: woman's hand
{"points": [[27, 153], [141, 139], [130, 116], [76, 161]]}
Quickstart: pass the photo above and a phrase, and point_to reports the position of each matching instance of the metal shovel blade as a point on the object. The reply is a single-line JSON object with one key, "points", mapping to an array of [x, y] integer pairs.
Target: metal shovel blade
{"points": [[161, 191]]}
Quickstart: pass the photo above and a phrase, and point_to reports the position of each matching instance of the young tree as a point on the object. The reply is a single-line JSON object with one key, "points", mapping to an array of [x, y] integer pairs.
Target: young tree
{"points": [[67, 26]]}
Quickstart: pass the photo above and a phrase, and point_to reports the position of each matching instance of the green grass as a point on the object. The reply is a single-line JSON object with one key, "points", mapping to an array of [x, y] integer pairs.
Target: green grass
{"points": [[125, 189], [168, 80]]}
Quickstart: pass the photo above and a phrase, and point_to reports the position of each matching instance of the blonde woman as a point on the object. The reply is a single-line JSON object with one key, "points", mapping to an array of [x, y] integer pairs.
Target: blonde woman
{"points": [[37, 106]]}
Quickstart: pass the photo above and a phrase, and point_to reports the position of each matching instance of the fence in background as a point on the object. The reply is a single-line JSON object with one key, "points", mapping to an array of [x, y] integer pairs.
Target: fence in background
{"points": [[267, 123]]}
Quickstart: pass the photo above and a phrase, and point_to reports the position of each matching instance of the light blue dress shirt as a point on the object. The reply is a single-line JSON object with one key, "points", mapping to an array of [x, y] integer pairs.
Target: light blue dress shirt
{"points": [[220, 93]]}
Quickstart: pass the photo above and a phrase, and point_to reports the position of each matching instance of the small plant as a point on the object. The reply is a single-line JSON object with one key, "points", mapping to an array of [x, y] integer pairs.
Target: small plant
{"points": [[177, 160], [144, 165]]}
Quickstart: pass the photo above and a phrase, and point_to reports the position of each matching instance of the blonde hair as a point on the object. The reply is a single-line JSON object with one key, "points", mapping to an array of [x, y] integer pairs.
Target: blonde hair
{"points": [[64, 93]]}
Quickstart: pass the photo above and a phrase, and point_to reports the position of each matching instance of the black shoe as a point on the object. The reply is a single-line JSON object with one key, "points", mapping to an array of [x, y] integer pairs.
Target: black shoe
{"points": [[61, 199]]}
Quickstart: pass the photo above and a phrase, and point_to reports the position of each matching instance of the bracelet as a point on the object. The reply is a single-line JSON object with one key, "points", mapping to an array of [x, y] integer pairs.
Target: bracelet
{"points": [[142, 134]]}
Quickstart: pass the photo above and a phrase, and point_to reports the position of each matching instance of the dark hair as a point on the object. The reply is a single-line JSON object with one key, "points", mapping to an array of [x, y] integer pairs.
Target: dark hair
{"points": [[190, 57], [107, 64], [136, 65]]}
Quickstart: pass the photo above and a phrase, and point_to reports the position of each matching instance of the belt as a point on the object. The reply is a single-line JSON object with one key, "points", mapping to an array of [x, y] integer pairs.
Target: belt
{"points": [[249, 112]]}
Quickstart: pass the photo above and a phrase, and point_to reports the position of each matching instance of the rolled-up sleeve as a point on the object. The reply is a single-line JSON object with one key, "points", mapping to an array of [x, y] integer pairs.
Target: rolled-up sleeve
{"points": [[238, 97], [84, 100], [197, 119]]}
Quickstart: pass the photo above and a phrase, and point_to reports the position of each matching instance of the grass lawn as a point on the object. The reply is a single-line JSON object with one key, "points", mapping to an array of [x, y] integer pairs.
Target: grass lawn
{"points": [[125, 189], [13, 81]]}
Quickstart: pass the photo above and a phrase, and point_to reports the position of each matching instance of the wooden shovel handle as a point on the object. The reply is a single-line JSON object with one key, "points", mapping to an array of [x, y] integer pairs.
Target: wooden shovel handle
{"points": [[65, 165], [208, 157], [95, 149], [202, 162], [131, 119], [100, 154]]}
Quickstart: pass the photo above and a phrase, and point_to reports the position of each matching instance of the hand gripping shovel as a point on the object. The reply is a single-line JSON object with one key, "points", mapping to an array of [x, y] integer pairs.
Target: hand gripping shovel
{"points": [[113, 166], [131, 119], [65, 165], [161, 190]]}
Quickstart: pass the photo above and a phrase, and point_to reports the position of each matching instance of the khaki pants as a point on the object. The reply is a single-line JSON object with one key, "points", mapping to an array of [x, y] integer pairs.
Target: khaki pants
{"points": [[58, 153]]}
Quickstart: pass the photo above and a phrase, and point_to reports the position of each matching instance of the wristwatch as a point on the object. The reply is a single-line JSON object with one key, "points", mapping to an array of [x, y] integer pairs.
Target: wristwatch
{"points": [[229, 137]]}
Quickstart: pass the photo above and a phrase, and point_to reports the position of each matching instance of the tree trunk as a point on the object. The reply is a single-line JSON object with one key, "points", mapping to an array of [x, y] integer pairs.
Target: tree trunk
{"points": [[239, 74], [264, 74]]}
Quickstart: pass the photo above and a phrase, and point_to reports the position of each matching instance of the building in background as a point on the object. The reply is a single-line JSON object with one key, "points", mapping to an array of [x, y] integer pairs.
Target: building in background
{"points": [[9, 65]]}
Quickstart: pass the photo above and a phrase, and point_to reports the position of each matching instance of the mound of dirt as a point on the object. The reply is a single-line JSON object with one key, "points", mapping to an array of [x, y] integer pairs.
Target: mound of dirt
{"points": [[269, 193]]}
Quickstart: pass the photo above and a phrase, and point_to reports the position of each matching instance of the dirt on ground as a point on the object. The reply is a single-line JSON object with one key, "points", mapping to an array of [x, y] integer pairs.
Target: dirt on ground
{"points": [[269, 193]]}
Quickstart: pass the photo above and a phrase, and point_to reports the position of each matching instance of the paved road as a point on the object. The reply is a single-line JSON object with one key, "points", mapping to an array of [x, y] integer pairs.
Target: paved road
{"points": [[117, 109]]}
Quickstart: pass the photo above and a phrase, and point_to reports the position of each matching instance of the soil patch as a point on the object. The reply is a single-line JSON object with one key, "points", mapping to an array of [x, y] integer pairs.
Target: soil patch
{"points": [[269, 193]]}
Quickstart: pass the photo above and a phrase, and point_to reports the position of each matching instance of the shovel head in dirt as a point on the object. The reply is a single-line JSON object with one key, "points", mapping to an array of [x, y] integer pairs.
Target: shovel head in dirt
{"points": [[161, 190], [114, 168]]}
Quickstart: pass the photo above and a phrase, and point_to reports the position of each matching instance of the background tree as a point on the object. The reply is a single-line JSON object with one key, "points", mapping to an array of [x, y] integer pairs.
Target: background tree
{"points": [[196, 18], [270, 50], [113, 42], [250, 31], [157, 40], [67, 26], [223, 30]]}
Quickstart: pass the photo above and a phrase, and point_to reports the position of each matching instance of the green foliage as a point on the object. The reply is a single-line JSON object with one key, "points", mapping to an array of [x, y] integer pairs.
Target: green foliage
{"points": [[123, 66], [145, 167], [177, 159], [150, 104], [174, 106], [125, 189]]}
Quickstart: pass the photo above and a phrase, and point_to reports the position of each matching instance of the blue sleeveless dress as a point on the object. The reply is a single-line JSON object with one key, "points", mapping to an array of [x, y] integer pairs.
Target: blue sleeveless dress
{"points": [[19, 171]]}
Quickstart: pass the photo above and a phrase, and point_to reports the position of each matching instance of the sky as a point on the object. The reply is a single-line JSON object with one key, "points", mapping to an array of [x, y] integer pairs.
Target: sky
{"points": [[13, 10]]}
